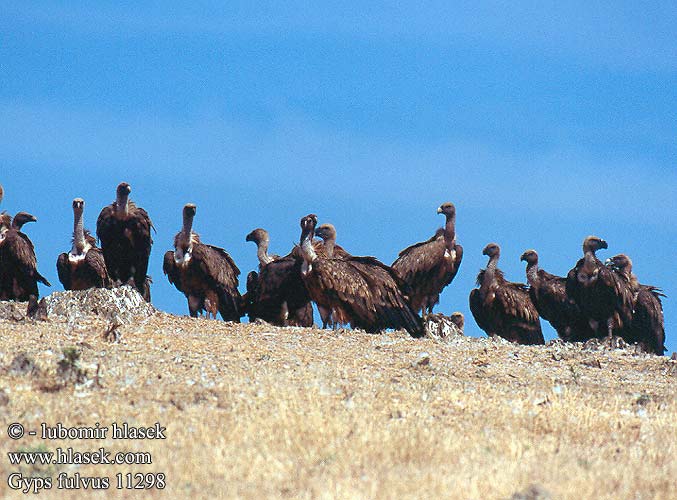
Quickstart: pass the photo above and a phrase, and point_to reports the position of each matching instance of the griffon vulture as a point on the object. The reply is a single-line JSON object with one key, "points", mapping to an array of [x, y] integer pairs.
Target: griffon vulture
{"points": [[361, 291], [430, 266], [205, 274], [647, 326], [19, 275], [503, 308], [83, 267], [276, 293], [124, 231], [604, 297], [548, 293]]}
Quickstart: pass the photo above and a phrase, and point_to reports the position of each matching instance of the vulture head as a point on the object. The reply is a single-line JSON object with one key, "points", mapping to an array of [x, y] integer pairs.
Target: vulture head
{"points": [[326, 232], [308, 224], [530, 257], [78, 205], [492, 250], [620, 262], [593, 243], [123, 190], [22, 218], [458, 319], [258, 236], [448, 209]]}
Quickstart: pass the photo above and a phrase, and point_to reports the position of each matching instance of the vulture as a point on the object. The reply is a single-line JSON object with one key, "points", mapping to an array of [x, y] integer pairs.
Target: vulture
{"points": [[548, 293], [430, 266], [604, 297], [205, 274], [503, 308], [328, 247], [647, 327], [360, 291], [84, 266], [19, 275], [276, 293], [124, 232]]}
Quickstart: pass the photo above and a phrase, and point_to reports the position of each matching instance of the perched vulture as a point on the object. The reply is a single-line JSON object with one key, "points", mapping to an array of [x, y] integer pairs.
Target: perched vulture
{"points": [[360, 291], [548, 293], [430, 266], [503, 308], [84, 266], [276, 293], [647, 327], [19, 275], [205, 274], [124, 232], [328, 247], [604, 297]]}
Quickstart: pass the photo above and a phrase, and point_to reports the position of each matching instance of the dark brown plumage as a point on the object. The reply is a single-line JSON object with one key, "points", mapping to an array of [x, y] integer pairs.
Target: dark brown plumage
{"points": [[548, 293], [19, 275], [124, 232], [428, 267], [360, 291], [276, 293], [603, 296], [205, 274], [83, 267], [647, 327], [504, 308]]}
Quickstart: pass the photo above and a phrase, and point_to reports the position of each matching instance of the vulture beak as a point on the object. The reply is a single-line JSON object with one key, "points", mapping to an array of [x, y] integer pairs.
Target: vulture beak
{"points": [[608, 262], [439, 210], [250, 237], [524, 257], [318, 233]]}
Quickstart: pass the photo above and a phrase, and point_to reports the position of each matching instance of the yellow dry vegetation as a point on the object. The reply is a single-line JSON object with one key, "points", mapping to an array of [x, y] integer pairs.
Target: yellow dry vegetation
{"points": [[255, 411]]}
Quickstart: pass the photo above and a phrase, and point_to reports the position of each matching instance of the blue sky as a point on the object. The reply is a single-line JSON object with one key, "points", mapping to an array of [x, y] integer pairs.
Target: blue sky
{"points": [[543, 123]]}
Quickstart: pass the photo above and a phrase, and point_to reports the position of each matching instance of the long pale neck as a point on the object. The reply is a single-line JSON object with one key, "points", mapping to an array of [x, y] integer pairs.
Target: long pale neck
{"points": [[262, 253], [307, 249], [532, 272], [589, 259], [329, 245], [187, 225], [450, 232], [490, 272], [78, 232], [122, 204]]}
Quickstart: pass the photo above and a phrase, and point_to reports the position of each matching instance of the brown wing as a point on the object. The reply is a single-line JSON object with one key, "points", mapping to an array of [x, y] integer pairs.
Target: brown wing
{"points": [[478, 312], [221, 274], [648, 325], [19, 274], [171, 270], [362, 292], [63, 270], [96, 268]]}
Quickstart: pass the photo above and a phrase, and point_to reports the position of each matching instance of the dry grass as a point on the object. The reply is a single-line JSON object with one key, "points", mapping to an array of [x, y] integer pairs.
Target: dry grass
{"points": [[258, 411]]}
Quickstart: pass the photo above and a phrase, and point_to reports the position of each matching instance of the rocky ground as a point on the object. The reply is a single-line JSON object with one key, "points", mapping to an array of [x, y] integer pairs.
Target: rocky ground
{"points": [[258, 411]]}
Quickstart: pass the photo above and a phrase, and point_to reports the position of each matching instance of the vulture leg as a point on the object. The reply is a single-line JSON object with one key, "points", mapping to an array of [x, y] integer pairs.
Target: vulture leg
{"points": [[325, 315], [193, 305]]}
